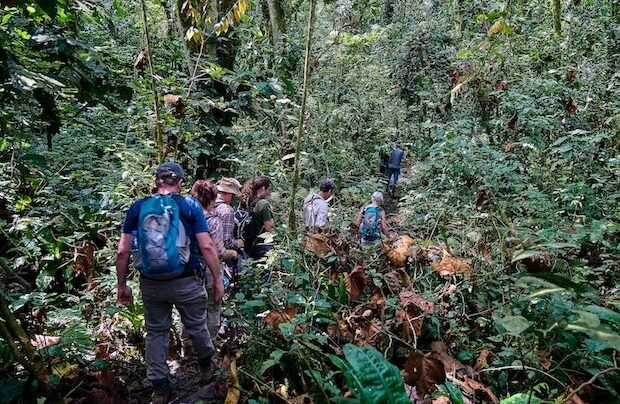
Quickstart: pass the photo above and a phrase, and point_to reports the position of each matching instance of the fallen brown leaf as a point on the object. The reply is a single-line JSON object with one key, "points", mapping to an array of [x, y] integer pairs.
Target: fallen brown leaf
{"points": [[378, 298], [424, 372], [355, 282], [477, 386], [482, 361], [440, 351], [399, 250], [450, 265], [275, 318], [318, 244], [367, 332], [410, 326], [408, 299]]}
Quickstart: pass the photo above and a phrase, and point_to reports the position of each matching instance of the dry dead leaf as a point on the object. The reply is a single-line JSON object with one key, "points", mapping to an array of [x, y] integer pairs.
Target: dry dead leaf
{"points": [[482, 361], [424, 372], [408, 299], [570, 106], [378, 298], [440, 351], [450, 265], [355, 282], [366, 332], [410, 326], [441, 400], [318, 244], [477, 386], [399, 250], [275, 318]]}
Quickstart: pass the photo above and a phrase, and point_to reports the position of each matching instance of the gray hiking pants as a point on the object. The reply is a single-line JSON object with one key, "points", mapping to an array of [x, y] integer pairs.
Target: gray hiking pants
{"points": [[214, 311], [189, 296]]}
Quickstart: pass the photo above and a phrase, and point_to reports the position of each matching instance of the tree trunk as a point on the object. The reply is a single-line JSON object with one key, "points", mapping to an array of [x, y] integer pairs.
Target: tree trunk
{"points": [[292, 222], [557, 17], [159, 136], [276, 35]]}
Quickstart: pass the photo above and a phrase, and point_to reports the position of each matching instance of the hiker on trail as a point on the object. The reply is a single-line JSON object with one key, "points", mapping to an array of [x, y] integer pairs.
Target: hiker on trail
{"points": [[371, 221], [258, 216], [394, 162], [206, 193], [167, 233], [228, 189], [315, 208]]}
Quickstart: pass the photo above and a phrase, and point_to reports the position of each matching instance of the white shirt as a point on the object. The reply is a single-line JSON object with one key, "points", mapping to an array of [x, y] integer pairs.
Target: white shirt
{"points": [[315, 210]]}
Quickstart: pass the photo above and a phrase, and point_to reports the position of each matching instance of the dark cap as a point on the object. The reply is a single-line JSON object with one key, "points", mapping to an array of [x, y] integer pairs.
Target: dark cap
{"points": [[170, 169], [327, 185]]}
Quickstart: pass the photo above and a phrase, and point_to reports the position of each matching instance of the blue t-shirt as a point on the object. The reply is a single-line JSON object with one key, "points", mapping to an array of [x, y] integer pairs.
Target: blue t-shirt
{"points": [[192, 217]]}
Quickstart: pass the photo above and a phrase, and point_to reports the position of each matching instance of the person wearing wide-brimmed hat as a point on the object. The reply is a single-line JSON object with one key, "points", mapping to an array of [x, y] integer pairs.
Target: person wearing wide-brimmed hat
{"points": [[228, 189]]}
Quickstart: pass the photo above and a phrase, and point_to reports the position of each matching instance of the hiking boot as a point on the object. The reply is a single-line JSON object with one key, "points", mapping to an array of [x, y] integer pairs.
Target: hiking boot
{"points": [[207, 372], [161, 396]]}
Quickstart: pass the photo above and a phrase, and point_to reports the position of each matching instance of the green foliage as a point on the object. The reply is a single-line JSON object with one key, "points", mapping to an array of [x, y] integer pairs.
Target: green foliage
{"points": [[370, 376], [512, 134]]}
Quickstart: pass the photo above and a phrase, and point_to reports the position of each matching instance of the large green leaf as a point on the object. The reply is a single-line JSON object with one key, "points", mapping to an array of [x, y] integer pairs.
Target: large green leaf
{"points": [[370, 377], [560, 281], [515, 325], [522, 398]]}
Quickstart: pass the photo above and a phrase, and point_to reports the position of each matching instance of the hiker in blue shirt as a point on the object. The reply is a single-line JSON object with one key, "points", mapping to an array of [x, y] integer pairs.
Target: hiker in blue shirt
{"points": [[394, 162], [166, 233], [371, 221]]}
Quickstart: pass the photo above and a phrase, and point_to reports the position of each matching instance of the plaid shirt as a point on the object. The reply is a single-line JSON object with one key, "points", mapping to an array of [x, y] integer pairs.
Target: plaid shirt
{"points": [[226, 215]]}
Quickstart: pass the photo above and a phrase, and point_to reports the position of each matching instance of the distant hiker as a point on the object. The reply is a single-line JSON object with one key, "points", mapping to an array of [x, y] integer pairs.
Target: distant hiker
{"points": [[394, 162], [206, 193], [255, 216], [371, 221], [315, 208], [168, 233]]}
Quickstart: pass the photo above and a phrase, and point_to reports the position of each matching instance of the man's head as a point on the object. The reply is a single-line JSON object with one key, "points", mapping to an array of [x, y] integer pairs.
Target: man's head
{"points": [[327, 188], [377, 197], [229, 188], [169, 176]]}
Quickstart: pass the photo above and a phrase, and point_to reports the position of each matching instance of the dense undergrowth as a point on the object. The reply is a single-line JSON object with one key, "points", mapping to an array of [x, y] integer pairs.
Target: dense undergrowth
{"points": [[508, 286]]}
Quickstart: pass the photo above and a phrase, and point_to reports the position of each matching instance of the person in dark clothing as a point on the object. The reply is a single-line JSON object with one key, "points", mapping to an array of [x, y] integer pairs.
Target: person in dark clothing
{"points": [[394, 162], [254, 196]]}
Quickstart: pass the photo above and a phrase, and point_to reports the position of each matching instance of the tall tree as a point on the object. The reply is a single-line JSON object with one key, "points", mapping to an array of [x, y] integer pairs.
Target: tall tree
{"points": [[292, 221]]}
